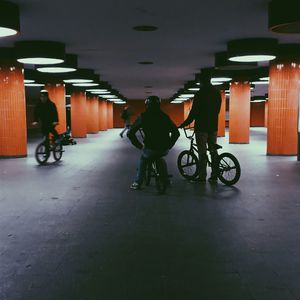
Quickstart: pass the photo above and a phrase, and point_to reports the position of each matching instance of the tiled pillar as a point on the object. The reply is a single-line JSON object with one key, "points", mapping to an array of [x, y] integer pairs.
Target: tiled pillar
{"points": [[103, 115], [239, 113], [109, 115], [266, 113], [221, 122], [257, 114], [283, 108], [92, 114], [56, 93], [78, 114], [13, 132]]}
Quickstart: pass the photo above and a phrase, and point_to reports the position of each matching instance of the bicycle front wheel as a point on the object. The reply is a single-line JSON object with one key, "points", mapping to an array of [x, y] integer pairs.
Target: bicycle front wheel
{"points": [[58, 152], [148, 173], [229, 169], [188, 164], [161, 177], [42, 153]]}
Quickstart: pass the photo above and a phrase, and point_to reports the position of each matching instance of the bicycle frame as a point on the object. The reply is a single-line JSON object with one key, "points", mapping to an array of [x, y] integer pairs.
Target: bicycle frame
{"points": [[194, 147]]}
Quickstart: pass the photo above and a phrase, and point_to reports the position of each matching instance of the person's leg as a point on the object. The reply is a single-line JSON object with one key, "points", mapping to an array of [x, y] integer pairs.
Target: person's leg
{"points": [[201, 141], [123, 131], [141, 171], [54, 133], [212, 140]]}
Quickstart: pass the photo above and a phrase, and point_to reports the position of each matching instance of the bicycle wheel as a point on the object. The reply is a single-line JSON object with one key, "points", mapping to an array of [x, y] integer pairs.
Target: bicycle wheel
{"points": [[188, 164], [148, 173], [229, 170], [161, 179], [41, 153], [58, 152]]}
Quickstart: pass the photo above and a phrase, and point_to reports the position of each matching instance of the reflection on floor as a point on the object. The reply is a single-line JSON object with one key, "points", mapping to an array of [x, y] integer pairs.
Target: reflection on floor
{"points": [[74, 229]]}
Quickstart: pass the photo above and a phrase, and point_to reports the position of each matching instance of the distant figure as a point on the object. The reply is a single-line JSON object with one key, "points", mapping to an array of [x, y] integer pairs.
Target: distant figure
{"points": [[205, 111], [126, 117], [46, 114], [157, 127]]}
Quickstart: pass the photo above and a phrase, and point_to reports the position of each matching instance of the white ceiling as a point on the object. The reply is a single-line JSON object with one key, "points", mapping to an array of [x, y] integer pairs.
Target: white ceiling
{"points": [[100, 33]]}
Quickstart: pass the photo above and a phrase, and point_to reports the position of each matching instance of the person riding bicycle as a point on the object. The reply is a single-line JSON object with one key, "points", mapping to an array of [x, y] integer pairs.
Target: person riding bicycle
{"points": [[205, 111], [46, 114], [160, 135]]}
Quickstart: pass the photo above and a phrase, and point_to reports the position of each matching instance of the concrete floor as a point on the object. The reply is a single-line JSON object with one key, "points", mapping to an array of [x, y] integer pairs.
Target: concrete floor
{"points": [[74, 229]]}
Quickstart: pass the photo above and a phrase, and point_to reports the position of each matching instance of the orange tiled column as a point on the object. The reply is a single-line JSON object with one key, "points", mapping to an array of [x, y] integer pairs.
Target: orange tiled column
{"points": [[221, 122], [92, 114], [103, 115], [257, 114], [110, 120], [239, 113], [78, 114], [266, 113], [283, 108], [13, 132], [57, 95]]}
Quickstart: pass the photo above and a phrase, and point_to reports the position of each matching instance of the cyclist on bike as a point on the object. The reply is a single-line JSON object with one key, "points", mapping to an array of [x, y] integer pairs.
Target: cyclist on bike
{"points": [[205, 111], [160, 135], [45, 112]]}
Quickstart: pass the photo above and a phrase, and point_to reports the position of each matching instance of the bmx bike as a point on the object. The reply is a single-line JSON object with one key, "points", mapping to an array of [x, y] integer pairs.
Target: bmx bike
{"points": [[227, 165]]}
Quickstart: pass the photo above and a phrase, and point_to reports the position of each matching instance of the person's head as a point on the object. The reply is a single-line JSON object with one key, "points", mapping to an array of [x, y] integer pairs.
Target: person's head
{"points": [[204, 78], [44, 96], [152, 103]]}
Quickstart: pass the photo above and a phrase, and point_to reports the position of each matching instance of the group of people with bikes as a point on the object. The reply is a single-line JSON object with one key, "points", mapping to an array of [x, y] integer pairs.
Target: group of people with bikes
{"points": [[159, 135]]}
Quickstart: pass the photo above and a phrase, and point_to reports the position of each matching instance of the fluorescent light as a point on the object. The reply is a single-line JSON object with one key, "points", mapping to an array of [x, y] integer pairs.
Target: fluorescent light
{"points": [[33, 84], [220, 79], [28, 81], [216, 83], [56, 70], [176, 101], [40, 61], [100, 93], [77, 80], [108, 96], [252, 58], [260, 82], [7, 32], [264, 78], [194, 89], [186, 96], [86, 84], [97, 90]]}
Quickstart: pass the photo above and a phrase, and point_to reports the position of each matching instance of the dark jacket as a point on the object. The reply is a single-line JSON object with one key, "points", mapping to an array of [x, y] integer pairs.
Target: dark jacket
{"points": [[46, 113], [157, 127], [205, 110]]}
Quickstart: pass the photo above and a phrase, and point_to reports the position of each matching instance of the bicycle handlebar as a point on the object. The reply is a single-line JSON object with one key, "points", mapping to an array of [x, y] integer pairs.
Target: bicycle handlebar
{"points": [[186, 134]]}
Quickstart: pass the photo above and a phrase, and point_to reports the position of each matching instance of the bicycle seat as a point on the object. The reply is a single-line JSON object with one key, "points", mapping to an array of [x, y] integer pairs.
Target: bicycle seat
{"points": [[216, 147]]}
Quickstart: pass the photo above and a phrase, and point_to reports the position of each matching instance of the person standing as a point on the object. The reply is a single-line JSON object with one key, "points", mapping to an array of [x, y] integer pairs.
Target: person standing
{"points": [[46, 114], [126, 118], [205, 111]]}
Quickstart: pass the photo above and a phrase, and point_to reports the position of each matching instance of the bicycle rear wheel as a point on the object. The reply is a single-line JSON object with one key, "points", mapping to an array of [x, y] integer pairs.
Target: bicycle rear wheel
{"points": [[58, 152], [188, 164], [161, 177], [229, 169], [41, 153]]}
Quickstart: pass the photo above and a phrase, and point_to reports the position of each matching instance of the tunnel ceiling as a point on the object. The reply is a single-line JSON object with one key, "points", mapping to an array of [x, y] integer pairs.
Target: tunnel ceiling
{"points": [[101, 33]]}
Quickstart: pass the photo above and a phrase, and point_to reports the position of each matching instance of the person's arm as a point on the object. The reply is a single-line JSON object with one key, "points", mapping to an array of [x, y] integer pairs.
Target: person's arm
{"points": [[192, 114], [131, 134], [174, 134]]}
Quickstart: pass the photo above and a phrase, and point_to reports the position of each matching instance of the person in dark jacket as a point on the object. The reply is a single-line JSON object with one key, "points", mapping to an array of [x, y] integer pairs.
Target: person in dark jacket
{"points": [[46, 114], [205, 111], [160, 135]]}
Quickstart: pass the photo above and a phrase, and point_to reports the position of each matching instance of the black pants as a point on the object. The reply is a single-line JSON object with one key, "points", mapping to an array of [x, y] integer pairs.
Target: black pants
{"points": [[46, 130]]}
